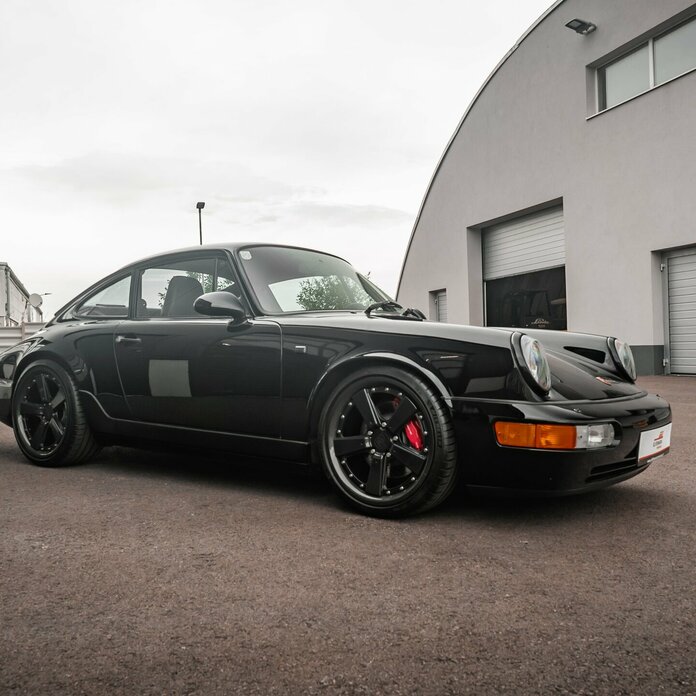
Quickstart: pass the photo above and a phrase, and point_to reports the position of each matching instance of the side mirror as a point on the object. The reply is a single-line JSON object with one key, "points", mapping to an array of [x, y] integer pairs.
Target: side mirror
{"points": [[221, 304]]}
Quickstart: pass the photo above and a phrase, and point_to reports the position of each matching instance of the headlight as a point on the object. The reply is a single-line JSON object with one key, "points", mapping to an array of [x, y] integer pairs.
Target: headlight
{"points": [[536, 362], [594, 436], [623, 357]]}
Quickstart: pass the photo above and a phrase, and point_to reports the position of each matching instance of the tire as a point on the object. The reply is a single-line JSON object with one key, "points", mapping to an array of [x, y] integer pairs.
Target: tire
{"points": [[387, 443], [48, 419]]}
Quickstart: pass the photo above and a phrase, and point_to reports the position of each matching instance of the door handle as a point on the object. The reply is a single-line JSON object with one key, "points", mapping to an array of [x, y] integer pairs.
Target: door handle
{"points": [[128, 340]]}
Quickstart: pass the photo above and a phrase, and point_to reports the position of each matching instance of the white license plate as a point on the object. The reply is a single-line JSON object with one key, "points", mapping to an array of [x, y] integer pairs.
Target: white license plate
{"points": [[654, 443]]}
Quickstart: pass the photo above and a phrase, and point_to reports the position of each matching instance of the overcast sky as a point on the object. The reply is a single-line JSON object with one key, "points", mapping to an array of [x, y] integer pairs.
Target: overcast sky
{"points": [[312, 123]]}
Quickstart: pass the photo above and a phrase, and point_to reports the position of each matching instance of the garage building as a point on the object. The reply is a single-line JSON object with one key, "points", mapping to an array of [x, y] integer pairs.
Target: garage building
{"points": [[566, 197]]}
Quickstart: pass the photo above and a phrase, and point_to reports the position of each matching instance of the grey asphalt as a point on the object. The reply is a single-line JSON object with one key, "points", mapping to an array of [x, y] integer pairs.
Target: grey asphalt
{"points": [[160, 573]]}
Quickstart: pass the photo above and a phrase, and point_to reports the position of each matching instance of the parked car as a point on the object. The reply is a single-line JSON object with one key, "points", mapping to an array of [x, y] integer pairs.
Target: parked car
{"points": [[290, 353]]}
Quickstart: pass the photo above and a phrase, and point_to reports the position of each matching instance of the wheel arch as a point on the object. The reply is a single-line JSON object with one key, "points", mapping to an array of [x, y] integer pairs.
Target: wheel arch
{"points": [[336, 373], [74, 442], [28, 359]]}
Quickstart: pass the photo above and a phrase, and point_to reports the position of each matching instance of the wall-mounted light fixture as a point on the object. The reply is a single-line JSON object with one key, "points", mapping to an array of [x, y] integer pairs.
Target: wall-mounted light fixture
{"points": [[581, 26]]}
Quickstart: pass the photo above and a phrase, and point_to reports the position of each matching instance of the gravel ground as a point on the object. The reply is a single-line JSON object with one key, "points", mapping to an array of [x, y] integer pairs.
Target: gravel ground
{"points": [[151, 572]]}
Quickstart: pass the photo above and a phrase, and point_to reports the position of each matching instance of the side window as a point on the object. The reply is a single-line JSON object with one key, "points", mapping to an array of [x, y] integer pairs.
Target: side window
{"points": [[170, 289], [109, 303], [227, 279]]}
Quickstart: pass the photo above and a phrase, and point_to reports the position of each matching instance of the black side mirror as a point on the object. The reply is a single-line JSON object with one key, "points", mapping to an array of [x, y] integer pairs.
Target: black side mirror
{"points": [[221, 304]]}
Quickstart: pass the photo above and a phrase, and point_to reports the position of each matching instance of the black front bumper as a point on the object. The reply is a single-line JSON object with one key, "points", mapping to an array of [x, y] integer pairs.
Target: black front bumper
{"points": [[484, 463]]}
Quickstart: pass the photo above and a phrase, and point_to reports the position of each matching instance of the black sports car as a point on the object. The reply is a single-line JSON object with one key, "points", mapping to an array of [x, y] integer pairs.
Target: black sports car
{"points": [[289, 353]]}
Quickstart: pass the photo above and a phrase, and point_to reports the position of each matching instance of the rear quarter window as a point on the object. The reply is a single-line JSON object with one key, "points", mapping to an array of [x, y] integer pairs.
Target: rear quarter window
{"points": [[110, 302]]}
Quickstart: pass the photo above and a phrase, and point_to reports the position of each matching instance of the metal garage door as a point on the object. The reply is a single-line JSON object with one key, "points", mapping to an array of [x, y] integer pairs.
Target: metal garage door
{"points": [[441, 305], [681, 283], [530, 243]]}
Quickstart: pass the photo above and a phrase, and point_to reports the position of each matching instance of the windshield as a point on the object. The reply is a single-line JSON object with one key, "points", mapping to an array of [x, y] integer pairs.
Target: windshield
{"points": [[299, 280]]}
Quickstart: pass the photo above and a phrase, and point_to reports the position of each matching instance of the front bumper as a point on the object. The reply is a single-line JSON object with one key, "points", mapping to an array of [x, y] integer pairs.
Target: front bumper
{"points": [[484, 463]]}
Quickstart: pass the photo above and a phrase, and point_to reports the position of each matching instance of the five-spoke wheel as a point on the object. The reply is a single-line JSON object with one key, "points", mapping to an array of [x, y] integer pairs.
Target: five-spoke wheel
{"points": [[49, 424], [387, 443], [43, 413]]}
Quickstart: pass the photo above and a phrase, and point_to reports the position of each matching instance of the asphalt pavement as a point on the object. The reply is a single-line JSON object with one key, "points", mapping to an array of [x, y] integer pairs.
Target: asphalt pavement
{"points": [[151, 572]]}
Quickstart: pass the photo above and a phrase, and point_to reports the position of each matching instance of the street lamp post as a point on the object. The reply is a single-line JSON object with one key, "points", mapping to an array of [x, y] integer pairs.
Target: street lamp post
{"points": [[200, 205]]}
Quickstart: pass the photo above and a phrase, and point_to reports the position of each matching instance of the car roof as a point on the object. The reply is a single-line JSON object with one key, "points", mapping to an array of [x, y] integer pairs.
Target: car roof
{"points": [[223, 246], [220, 246]]}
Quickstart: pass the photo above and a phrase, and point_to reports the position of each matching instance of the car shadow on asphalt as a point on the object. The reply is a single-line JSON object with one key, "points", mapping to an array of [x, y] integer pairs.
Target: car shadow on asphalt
{"points": [[308, 483], [614, 501], [218, 469]]}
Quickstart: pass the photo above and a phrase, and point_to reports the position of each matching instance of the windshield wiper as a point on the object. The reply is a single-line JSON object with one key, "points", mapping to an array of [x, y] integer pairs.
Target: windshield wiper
{"points": [[392, 310], [412, 312], [387, 305]]}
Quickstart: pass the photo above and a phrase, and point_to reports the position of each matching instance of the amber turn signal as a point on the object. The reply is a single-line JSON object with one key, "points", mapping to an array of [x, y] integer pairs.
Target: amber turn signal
{"points": [[536, 435]]}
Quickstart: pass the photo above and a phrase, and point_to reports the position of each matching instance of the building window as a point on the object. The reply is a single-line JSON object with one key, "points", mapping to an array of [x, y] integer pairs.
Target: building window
{"points": [[624, 78], [658, 60], [675, 52]]}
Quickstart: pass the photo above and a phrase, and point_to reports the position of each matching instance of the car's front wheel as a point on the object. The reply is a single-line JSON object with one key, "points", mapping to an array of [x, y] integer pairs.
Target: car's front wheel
{"points": [[387, 443], [48, 420]]}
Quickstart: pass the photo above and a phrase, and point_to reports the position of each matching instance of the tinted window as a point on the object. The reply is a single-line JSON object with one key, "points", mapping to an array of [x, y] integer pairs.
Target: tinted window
{"points": [[110, 302], [170, 289], [293, 280]]}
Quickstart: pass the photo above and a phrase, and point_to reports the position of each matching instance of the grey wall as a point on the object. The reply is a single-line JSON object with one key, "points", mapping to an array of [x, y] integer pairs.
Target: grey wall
{"points": [[627, 176], [13, 299]]}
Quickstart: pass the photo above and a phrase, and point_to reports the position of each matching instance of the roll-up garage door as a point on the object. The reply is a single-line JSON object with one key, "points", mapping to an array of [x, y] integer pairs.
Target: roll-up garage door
{"points": [[524, 271], [530, 243], [441, 305], [681, 283]]}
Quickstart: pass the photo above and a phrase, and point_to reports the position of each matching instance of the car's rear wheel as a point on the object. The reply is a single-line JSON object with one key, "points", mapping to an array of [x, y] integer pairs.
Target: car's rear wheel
{"points": [[48, 420], [387, 443]]}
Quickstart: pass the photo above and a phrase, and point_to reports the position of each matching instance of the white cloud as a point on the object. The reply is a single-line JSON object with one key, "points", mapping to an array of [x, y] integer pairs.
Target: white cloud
{"points": [[313, 122]]}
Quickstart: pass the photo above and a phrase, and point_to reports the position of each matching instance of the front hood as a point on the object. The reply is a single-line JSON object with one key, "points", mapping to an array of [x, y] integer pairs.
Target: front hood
{"points": [[587, 375], [358, 321], [577, 380], [582, 367]]}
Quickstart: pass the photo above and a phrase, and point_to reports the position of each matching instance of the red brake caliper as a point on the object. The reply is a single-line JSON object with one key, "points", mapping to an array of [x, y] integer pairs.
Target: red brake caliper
{"points": [[413, 431], [414, 434]]}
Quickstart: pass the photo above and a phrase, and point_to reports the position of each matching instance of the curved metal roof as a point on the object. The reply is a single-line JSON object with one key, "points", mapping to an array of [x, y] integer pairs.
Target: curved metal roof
{"points": [[459, 127]]}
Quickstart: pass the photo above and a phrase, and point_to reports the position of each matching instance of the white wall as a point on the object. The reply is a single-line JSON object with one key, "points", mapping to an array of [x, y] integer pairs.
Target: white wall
{"points": [[626, 176]]}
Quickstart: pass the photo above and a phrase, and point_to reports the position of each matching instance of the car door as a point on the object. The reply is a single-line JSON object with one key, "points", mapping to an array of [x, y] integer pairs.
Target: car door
{"points": [[179, 368], [88, 342]]}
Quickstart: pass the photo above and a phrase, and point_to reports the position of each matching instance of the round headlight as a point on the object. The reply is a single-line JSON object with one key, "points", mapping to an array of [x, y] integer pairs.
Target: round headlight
{"points": [[624, 356], [536, 362]]}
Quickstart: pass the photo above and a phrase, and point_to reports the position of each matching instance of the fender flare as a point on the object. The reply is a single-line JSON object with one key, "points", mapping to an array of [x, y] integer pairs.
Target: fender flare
{"points": [[356, 362]]}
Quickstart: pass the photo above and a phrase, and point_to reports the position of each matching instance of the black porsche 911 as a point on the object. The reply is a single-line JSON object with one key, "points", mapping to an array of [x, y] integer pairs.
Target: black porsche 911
{"points": [[290, 353]]}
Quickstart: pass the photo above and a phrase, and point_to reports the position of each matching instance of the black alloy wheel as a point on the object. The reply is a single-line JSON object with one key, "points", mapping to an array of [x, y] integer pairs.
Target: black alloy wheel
{"points": [[387, 443], [49, 424]]}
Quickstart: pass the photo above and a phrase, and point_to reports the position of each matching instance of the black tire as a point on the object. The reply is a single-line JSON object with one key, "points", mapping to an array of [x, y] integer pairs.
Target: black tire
{"points": [[48, 419], [387, 443]]}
